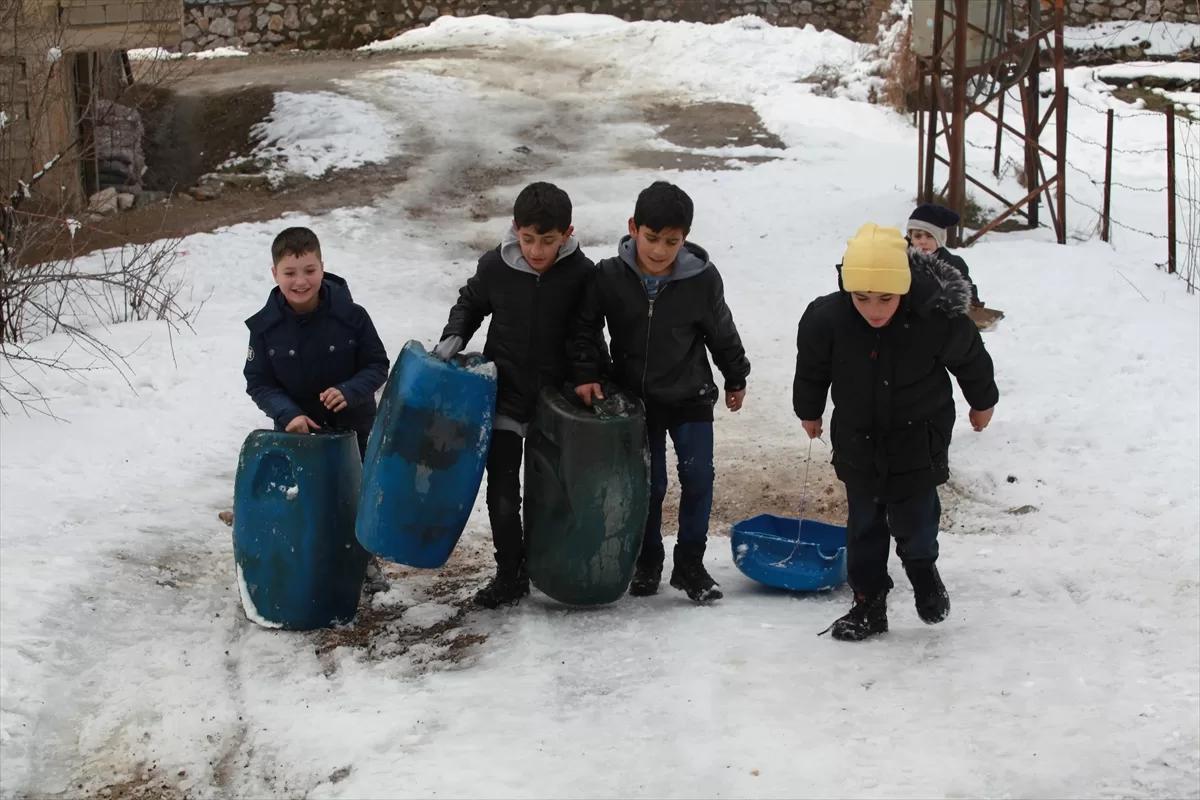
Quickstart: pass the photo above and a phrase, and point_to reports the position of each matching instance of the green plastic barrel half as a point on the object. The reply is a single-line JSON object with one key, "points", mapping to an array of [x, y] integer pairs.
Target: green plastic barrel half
{"points": [[587, 491]]}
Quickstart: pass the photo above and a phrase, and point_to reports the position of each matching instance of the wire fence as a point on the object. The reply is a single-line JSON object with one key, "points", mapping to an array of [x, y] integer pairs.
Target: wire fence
{"points": [[1178, 192]]}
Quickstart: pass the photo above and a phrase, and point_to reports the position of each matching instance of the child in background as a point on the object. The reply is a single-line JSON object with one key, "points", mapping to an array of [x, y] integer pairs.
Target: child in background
{"points": [[928, 227]]}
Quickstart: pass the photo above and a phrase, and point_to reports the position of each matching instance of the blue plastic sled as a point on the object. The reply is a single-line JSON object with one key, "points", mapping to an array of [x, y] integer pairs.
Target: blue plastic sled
{"points": [[762, 545], [298, 564], [425, 456]]}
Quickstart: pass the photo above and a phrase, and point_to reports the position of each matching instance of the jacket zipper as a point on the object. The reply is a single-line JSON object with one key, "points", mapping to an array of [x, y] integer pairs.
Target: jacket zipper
{"points": [[533, 338], [649, 321]]}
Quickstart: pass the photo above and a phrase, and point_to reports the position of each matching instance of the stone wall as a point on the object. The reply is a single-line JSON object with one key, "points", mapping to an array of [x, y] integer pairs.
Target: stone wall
{"points": [[1085, 12], [260, 25]]}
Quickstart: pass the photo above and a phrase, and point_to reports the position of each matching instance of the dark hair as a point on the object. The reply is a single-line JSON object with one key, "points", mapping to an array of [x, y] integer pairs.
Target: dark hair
{"points": [[544, 207], [294, 242], [663, 205]]}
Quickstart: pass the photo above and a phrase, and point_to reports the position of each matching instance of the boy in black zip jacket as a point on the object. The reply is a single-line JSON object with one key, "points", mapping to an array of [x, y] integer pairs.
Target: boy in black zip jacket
{"points": [[885, 344], [531, 285], [664, 303], [315, 360]]}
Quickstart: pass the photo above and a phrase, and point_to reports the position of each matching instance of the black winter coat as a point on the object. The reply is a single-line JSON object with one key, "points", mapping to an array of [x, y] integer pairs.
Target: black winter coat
{"points": [[893, 404], [294, 357], [531, 318], [658, 348]]}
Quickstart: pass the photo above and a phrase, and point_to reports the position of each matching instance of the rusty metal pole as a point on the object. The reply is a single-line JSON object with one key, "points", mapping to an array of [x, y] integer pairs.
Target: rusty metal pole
{"points": [[958, 121], [1060, 91], [935, 77], [1171, 189], [1105, 234], [1032, 115], [999, 133], [920, 133]]}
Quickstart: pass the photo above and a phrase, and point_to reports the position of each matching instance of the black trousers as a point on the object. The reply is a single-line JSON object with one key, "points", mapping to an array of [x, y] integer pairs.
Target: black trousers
{"points": [[504, 498], [869, 530]]}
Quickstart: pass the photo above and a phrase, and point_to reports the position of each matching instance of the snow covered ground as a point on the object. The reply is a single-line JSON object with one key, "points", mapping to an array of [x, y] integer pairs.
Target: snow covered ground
{"points": [[1070, 665]]}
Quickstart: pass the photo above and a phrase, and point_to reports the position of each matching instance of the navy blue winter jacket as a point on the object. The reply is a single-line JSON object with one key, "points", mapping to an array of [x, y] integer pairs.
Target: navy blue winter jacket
{"points": [[294, 357]]}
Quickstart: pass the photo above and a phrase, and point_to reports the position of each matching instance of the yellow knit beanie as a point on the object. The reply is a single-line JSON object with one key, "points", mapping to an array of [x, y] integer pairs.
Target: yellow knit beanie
{"points": [[876, 260]]}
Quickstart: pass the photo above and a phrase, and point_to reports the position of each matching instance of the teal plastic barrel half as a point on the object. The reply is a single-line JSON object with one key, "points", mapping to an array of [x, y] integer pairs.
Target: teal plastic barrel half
{"points": [[295, 499], [587, 491]]}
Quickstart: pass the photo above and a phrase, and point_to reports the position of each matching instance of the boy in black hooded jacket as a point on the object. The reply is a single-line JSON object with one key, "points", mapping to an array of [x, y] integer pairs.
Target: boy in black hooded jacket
{"points": [[664, 302], [531, 285], [885, 344]]}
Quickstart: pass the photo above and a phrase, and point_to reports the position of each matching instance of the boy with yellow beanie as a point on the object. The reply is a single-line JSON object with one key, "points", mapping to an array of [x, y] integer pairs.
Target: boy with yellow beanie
{"points": [[884, 343]]}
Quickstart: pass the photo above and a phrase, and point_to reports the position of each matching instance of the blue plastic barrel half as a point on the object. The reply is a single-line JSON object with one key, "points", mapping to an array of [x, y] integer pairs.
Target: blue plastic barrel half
{"points": [[295, 497], [425, 457], [800, 555]]}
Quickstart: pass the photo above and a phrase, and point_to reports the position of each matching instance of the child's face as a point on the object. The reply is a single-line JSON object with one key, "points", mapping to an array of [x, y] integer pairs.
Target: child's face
{"points": [[923, 241], [876, 308], [299, 278], [541, 249], [656, 250]]}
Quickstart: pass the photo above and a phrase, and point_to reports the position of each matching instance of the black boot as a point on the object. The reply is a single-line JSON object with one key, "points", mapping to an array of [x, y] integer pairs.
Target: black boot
{"points": [[647, 575], [868, 617], [507, 588], [689, 574], [933, 602]]}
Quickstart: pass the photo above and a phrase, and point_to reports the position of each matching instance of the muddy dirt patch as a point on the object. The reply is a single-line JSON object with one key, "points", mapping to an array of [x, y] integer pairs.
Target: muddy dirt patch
{"points": [[423, 618], [704, 126], [188, 135], [746, 487]]}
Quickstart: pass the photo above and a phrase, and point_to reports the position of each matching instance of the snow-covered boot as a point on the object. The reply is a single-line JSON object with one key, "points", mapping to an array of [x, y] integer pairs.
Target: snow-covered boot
{"points": [[375, 581], [933, 602], [689, 574], [647, 575], [867, 618], [506, 588]]}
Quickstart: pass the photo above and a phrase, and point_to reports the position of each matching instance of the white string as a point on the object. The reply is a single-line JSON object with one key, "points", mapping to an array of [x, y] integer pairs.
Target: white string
{"points": [[800, 510]]}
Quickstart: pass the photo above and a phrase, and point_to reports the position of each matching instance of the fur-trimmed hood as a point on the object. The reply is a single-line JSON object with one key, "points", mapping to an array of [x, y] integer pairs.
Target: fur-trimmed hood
{"points": [[937, 284]]}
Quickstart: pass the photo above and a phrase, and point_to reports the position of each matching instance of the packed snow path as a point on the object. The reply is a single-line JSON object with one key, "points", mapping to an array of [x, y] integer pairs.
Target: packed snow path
{"points": [[1070, 663]]}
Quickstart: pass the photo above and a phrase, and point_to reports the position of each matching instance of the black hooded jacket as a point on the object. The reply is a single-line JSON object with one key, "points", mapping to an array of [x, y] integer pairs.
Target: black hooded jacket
{"points": [[893, 403], [531, 318], [658, 348]]}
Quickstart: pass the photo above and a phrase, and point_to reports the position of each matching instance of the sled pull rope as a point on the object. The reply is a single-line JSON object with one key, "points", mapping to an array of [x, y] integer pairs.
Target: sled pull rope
{"points": [[802, 506]]}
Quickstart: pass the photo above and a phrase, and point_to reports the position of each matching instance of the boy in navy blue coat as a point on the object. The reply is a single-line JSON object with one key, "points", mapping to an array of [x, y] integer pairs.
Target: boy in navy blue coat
{"points": [[315, 360]]}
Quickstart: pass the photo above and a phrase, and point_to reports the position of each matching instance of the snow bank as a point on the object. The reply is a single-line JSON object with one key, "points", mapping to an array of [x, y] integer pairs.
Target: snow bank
{"points": [[1162, 38], [1183, 71], [736, 61], [160, 54], [313, 133]]}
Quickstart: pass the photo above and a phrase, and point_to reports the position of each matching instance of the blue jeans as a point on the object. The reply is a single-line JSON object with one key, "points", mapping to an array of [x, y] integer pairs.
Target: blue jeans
{"points": [[694, 449]]}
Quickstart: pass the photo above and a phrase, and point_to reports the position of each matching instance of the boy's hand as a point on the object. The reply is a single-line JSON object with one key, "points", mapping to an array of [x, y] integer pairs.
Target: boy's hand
{"points": [[733, 400], [302, 424], [333, 399], [812, 427], [587, 391], [980, 419]]}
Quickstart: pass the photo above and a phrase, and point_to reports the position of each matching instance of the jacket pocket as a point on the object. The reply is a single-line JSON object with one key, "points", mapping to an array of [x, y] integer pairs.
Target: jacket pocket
{"points": [[851, 448], [910, 448]]}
